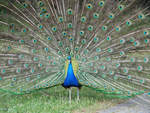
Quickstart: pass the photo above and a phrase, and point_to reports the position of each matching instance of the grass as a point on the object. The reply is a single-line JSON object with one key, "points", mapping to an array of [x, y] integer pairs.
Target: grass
{"points": [[56, 102]]}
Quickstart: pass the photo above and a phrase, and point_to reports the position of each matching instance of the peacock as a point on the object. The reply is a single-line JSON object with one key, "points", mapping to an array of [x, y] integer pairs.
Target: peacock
{"points": [[100, 44]]}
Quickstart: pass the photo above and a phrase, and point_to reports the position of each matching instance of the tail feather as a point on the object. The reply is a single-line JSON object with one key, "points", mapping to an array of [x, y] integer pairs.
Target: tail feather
{"points": [[108, 38]]}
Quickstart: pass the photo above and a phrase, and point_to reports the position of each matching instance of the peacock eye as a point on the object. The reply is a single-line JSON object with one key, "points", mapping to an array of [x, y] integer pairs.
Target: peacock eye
{"points": [[122, 41], [60, 19], [25, 5], [40, 65], [34, 41], [60, 44], [3, 71], [89, 6], [101, 3], [111, 15], [14, 79], [41, 3], [12, 30], [96, 39], [122, 53], [118, 65], [49, 38], [43, 9], [110, 50], [146, 33], [21, 41], [90, 28], [64, 33], [118, 28], [139, 68], [108, 38], [70, 25], [54, 29], [121, 7], [83, 41], [76, 48], [67, 49], [40, 26], [24, 30], [47, 15], [59, 52], [129, 23], [104, 28], [41, 15], [141, 16], [96, 15], [35, 59], [146, 41], [9, 48], [70, 11], [46, 49], [49, 57], [98, 50], [96, 58], [81, 33], [83, 19]]}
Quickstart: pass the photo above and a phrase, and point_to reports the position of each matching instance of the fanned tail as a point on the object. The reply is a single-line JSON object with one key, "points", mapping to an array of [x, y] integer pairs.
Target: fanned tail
{"points": [[114, 57], [108, 38]]}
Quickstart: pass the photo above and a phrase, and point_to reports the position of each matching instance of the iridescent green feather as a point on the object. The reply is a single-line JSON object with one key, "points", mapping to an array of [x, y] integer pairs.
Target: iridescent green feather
{"points": [[108, 40]]}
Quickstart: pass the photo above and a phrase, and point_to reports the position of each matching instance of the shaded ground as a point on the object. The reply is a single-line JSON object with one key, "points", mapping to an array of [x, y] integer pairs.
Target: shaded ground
{"points": [[137, 105]]}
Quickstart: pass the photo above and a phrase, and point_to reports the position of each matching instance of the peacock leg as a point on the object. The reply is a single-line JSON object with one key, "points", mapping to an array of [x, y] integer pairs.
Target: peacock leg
{"points": [[78, 94], [70, 89]]}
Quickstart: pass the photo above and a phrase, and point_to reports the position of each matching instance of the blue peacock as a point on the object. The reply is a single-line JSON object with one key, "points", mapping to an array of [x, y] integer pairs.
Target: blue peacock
{"points": [[100, 44]]}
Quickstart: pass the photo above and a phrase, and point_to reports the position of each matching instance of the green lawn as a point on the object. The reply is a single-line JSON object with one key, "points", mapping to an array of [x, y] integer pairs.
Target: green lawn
{"points": [[56, 102]]}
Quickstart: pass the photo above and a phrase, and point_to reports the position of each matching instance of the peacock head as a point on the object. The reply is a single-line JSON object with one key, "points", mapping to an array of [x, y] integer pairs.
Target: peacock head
{"points": [[69, 58]]}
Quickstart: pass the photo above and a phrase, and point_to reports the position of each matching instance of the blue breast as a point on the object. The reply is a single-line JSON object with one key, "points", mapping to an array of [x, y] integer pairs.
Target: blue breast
{"points": [[71, 80]]}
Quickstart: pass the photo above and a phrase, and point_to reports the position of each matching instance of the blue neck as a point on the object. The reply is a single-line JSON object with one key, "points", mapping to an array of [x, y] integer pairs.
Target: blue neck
{"points": [[71, 80]]}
